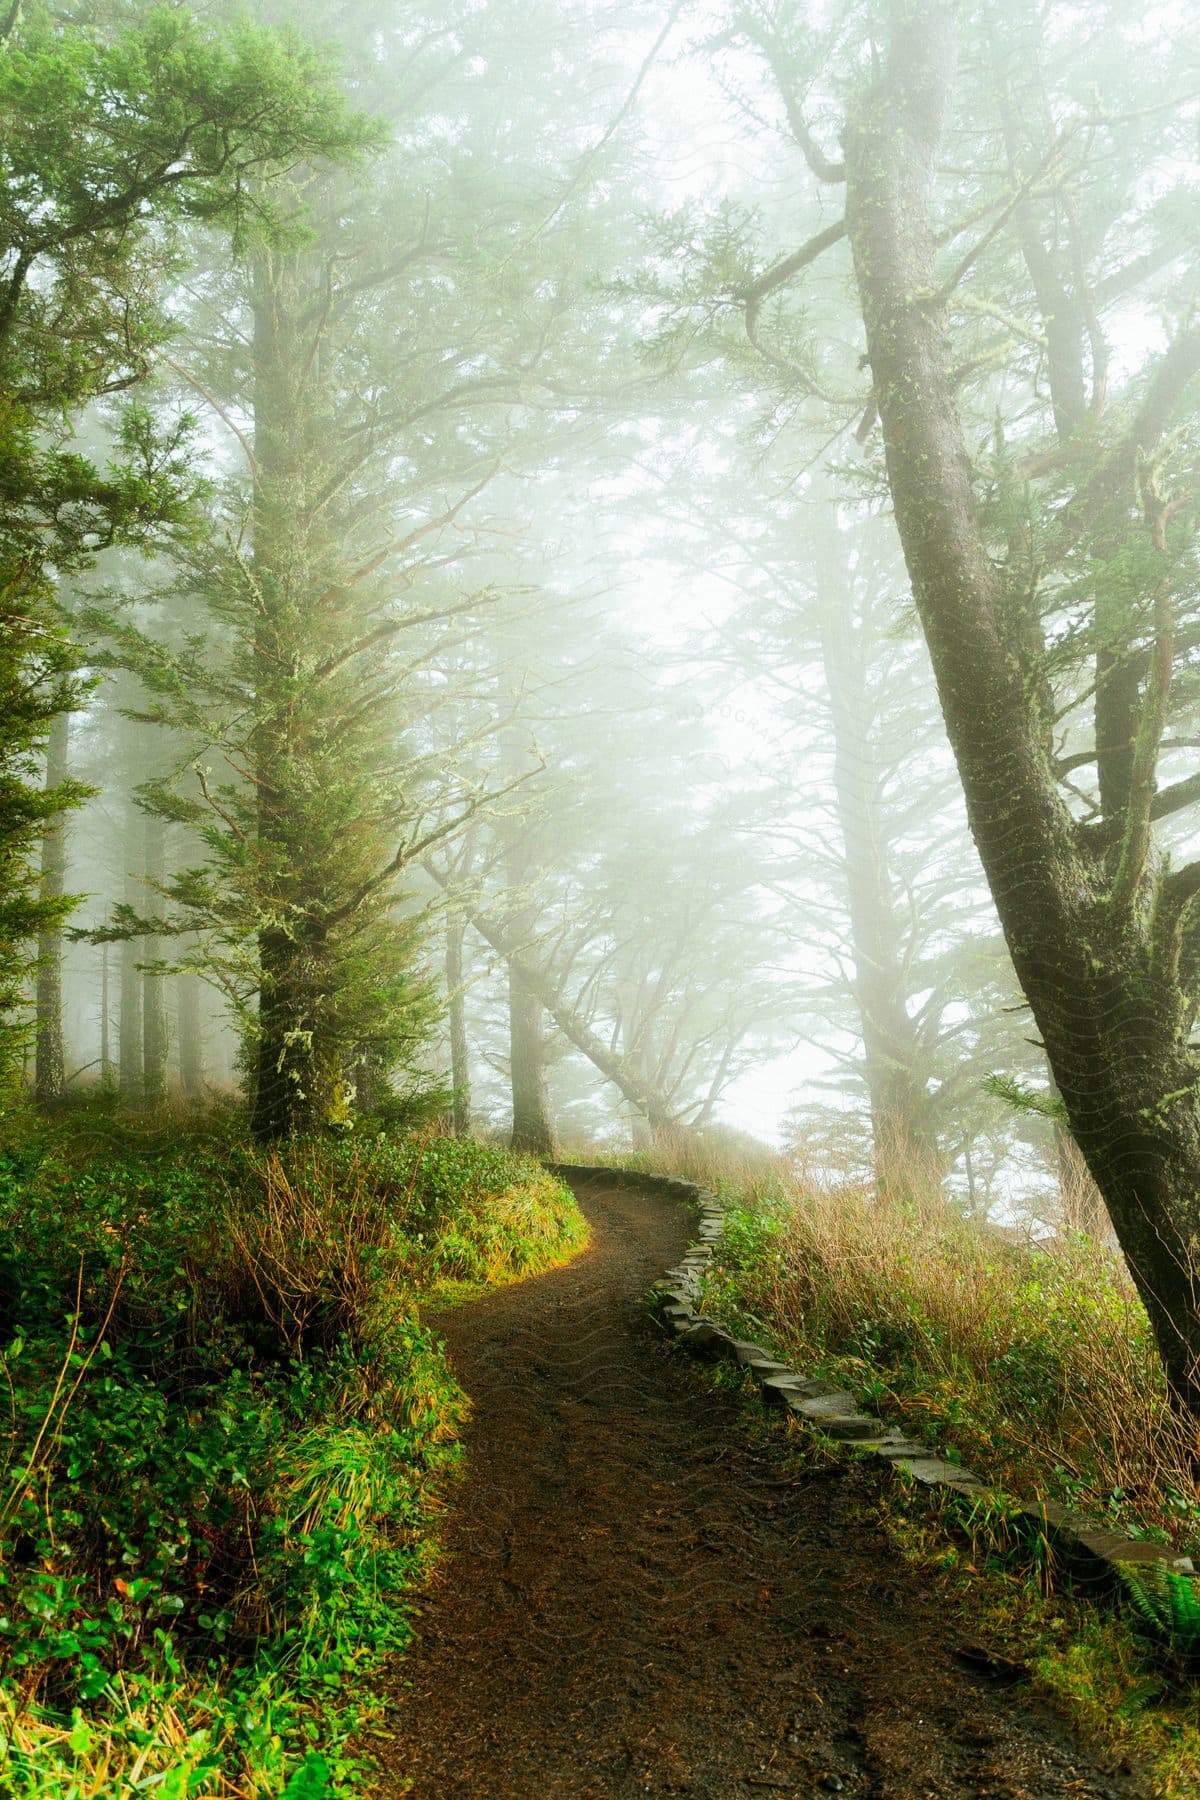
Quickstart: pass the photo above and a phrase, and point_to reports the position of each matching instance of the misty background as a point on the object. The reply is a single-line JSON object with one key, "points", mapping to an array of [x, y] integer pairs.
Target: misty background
{"points": [[679, 839]]}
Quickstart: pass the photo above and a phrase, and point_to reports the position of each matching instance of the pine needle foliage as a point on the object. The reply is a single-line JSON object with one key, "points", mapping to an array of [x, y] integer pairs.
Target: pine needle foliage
{"points": [[117, 131]]}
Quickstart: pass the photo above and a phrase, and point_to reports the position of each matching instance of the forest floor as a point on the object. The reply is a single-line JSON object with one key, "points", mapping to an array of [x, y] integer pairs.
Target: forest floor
{"points": [[639, 1595]]}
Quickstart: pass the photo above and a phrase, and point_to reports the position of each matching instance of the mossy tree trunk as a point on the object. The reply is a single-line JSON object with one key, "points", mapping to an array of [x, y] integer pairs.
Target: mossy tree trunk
{"points": [[1100, 933], [324, 825], [299, 1074]]}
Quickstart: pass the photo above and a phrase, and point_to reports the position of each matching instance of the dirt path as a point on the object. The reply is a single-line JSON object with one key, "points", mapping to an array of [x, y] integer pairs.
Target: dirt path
{"points": [[635, 1600]]}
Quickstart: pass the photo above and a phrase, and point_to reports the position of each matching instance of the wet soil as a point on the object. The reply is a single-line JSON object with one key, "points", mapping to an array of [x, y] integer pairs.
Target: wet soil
{"points": [[636, 1597]]}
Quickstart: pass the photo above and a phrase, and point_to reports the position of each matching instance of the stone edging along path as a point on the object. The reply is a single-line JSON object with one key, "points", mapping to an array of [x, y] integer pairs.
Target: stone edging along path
{"points": [[1092, 1555]]}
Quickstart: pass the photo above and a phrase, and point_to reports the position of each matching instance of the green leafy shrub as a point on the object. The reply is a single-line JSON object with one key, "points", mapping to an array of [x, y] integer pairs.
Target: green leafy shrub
{"points": [[225, 1416]]}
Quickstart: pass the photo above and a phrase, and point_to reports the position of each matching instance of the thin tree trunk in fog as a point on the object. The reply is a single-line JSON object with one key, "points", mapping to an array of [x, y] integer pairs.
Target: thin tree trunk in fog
{"points": [[154, 995], [129, 1020], [532, 1125], [191, 1048], [902, 1126], [646, 1129], [50, 1072], [460, 1067], [1096, 940], [611, 1064], [106, 1069]]}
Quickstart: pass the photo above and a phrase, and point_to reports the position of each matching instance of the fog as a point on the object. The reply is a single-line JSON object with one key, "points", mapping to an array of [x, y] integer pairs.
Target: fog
{"points": [[522, 717]]}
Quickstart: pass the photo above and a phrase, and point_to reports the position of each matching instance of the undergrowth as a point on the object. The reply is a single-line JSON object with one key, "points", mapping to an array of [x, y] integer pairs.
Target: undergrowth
{"points": [[225, 1419], [1031, 1362], [1096, 1664]]}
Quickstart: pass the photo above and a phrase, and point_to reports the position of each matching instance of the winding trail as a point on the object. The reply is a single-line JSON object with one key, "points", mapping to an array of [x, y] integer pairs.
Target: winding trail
{"points": [[636, 1598]]}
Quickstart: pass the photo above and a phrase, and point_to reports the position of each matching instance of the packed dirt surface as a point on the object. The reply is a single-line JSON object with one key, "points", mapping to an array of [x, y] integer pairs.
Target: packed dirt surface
{"points": [[635, 1598]]}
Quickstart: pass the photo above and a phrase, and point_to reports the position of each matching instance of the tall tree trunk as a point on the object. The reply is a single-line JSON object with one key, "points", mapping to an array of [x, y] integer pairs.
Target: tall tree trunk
{"points": [[1098, 963], [191, 1046], [532, 1125], [50, 1073], [106, 1067], [641, 1131], [154, 997], [902, 1124], [129, 1018], [300, 1077], [460, 1065]]}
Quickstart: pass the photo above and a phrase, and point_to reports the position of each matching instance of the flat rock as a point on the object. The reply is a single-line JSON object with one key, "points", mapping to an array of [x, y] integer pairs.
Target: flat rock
{"points": [[931, 1471], [766, 1371], [849, 1426], [707, 1339], [812, 1387], [776, 1388], [895, 1448], [1090, 1550], [829, 1405]]}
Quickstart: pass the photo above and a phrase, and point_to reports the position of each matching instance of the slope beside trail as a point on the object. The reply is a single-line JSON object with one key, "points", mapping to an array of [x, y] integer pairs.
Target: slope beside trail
{"points": [[635, 1598]]}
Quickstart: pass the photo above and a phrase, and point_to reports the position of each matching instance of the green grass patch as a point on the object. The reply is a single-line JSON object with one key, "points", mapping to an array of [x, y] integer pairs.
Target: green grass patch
{"points": [[225, 1423]]}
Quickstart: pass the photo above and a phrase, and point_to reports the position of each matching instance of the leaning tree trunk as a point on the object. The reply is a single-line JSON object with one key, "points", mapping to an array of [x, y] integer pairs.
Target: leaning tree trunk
{"points": [[1099, 966], [615, 1067], [50, 1072]]}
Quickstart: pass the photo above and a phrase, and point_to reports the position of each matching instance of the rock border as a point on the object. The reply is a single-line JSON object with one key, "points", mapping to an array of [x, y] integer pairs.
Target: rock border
{"points": [[1095, 1557]]}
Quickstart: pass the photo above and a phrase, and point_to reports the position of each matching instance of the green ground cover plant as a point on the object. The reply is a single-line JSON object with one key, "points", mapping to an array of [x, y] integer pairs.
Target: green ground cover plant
{"points": [[225, 1427]]}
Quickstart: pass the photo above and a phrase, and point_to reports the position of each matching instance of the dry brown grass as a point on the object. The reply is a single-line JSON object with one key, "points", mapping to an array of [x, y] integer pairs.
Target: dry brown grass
{"points": [[1032, 1359], [305, 1242]]}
